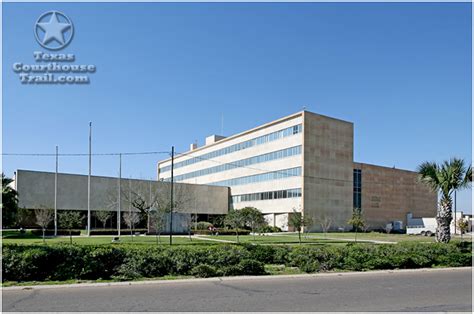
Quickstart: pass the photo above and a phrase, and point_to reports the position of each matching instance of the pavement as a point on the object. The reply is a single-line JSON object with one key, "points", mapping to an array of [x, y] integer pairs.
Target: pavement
{"points": [[429, 290]]}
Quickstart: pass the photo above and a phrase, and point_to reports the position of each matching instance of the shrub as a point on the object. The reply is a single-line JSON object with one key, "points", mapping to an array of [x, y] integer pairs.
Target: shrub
{"points": [[203, 225], [204, 271], [269, 229], [222, 231], [50, 232], [64, 261], [124, 232], [315, 259], [251, 267]]}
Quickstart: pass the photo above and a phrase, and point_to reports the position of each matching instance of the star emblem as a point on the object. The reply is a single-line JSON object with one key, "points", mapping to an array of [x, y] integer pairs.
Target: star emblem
{"points": [[54, 30]]}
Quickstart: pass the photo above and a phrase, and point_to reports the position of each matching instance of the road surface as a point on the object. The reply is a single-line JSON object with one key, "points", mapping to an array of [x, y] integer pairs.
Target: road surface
{"points": [[421, 290]]}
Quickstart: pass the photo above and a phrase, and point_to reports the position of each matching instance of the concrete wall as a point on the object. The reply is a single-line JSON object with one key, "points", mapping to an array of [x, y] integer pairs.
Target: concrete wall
{"points": [[389, 194], [36, 190], [327, 169]]}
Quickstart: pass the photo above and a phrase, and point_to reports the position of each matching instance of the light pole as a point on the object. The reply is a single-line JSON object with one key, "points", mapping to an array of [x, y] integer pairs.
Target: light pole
{"points": [[171, 197], [119, 208], [89, 183], [56, 196]]}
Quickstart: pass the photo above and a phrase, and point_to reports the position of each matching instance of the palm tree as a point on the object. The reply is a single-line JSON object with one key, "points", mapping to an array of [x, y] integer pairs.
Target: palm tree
{"points": [[445, 178]]}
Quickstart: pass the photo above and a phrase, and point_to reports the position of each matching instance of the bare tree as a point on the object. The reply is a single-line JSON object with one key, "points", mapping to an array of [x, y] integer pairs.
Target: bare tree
{"points": [[157, 219], [131, 218], [103, 216], [186, 223], [325, 221], [44, 216]]}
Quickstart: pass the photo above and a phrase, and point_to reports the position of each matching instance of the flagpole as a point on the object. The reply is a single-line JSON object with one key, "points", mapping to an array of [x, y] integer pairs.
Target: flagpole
{"points": [[89, 183]]}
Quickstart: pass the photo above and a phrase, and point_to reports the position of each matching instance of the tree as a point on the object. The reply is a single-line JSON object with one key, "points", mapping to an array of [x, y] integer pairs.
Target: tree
{"points": [[131, 219], [325, 222], [444, 179], [357, 221], [187, 223], [157, 219], [70, 220], [299, 221], [235, 220], [253, 218], [44, 216], [463, 225], [9, 204], [103, 216], [24, 217]]}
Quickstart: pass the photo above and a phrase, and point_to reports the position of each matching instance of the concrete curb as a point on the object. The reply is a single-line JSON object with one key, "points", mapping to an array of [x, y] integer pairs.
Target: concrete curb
{"points": [[236, 278]]}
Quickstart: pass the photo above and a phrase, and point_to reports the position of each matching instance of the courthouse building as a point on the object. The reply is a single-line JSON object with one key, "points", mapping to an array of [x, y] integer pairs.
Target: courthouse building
{"points": [[303, 162]]}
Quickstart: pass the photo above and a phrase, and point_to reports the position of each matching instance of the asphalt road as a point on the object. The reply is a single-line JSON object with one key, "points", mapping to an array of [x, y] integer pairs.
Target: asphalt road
{"points": [[422, 290]]}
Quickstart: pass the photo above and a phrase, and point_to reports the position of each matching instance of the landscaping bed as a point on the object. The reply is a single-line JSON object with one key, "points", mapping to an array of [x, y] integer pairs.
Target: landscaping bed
{"points": [[61, 262]]}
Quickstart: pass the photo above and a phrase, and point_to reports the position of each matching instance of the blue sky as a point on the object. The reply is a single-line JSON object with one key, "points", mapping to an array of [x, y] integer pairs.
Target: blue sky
{"points": [[167, 72]]}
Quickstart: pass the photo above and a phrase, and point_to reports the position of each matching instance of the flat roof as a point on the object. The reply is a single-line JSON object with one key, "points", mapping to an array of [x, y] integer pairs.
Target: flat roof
{"points": [[262, 126]]}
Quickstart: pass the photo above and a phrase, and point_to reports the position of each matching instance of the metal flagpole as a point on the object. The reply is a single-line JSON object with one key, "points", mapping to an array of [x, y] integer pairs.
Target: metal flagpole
{"points": [[119, 209], [56, 196], [171, 198], [89, 183]]}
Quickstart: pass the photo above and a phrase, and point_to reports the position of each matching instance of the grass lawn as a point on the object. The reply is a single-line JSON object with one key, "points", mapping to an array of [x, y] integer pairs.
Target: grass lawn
{"points": [[280, 239], [373, 236], [28, 238], [331, 238]]}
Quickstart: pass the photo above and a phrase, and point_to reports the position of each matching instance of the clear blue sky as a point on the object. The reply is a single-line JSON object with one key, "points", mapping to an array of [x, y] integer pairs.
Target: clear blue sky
{"points": [[167, 72]]}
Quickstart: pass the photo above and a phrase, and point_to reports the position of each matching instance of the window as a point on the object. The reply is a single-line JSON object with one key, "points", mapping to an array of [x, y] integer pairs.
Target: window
{"points": [[236, 147], [291, 193]]}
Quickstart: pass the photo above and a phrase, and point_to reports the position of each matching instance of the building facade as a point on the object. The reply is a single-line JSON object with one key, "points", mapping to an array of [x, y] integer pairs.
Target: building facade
{"points": [[304, 163]]}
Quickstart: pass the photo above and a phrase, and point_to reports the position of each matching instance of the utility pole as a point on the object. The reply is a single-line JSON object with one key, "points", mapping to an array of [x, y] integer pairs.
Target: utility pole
{"points": [[171, 197], [89, 183], [119, 209], [56, 196]]}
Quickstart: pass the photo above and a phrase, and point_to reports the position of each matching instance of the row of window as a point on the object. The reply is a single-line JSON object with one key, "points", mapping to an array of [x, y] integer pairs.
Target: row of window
{"points": [[269, 176], [272, 195], [279, 154], [240, 146], [357, 195]]}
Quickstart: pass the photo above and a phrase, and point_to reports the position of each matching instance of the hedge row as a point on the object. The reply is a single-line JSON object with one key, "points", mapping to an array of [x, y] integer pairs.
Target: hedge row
{"points": [[62, 262], [221, 231], [50, 232]]}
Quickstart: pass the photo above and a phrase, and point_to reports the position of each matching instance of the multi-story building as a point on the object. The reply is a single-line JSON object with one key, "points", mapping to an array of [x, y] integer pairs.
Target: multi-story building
{"points": [[303, 163]]}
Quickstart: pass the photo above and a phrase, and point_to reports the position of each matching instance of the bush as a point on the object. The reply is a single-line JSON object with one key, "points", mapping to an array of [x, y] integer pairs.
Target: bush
{"points": [[204, 271], [222, 231], [268, 254], [269, 229], [114, 231], [251, 267], [64, 261], [203, 225], [50, 232]]}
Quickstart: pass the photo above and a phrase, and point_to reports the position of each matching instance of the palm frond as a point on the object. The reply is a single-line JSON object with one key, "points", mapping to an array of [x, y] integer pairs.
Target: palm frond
{"points": [[428, 174]]}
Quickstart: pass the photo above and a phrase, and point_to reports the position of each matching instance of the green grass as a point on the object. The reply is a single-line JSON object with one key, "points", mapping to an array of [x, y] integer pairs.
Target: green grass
{"points": [[28, 238], [373, 236], [290, 239], [272, 269], [331, 238], [75, 281]]}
